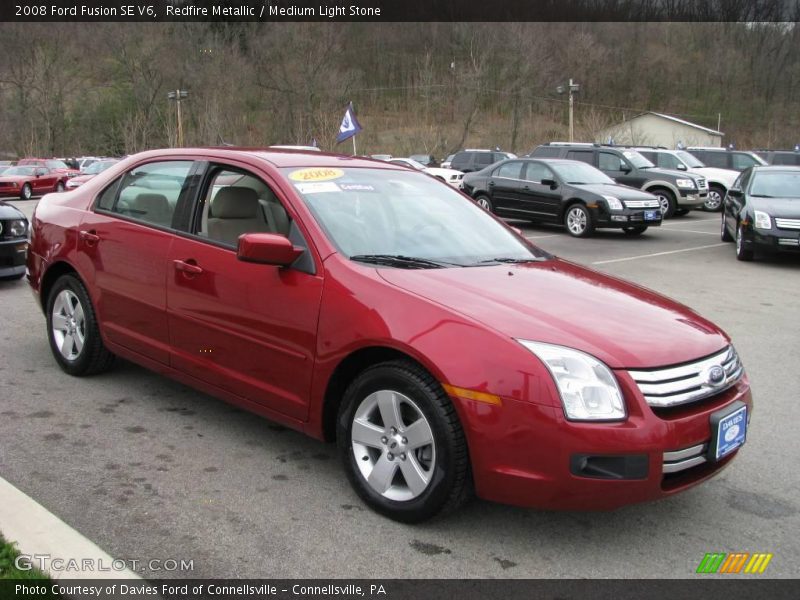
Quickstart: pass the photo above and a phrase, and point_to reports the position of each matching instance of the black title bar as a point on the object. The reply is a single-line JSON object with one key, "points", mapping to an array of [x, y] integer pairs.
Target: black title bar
{"points": [[400, 10]]}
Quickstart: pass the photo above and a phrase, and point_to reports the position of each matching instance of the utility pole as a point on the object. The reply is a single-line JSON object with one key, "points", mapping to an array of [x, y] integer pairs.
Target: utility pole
{"points": [[572, 89], [177, 96]]}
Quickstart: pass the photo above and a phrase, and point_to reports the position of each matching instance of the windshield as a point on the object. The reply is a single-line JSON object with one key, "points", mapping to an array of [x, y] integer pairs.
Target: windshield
{"points": [[776, 185], [380, 212], [691, 160], [637, 160], [56, 164], [580, 173], [25, 171], [98, 167]]}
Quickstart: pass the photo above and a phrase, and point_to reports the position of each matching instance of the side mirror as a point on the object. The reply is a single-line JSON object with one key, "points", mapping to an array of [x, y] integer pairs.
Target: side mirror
{"points": [[682, 167], [552, 183], [625, 169], [268, 249]]}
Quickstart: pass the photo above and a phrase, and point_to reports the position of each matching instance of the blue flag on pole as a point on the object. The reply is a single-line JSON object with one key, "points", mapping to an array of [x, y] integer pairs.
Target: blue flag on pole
{"points": [[350, 125]]}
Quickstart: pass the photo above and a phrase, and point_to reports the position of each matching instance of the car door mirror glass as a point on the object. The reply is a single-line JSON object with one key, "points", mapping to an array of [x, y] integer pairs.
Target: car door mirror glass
{"points": [[681, 167], [268, 249]]}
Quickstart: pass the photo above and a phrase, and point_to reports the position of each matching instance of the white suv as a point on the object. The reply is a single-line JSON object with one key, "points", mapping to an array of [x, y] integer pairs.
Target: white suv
{"points": [[719, 180]]}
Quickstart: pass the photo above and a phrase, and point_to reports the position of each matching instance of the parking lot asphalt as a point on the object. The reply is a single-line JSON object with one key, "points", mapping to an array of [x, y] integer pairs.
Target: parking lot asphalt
{"points": [[150, 469]]}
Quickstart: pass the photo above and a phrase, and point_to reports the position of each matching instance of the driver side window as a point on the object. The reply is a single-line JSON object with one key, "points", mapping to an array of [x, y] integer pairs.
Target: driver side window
{"points": [[236, 202]]}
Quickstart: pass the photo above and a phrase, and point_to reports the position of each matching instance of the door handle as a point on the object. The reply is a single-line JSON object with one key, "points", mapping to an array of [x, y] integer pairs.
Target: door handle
{"points": [[491, 184], [187, 267], [90, 237], [527, 188]]}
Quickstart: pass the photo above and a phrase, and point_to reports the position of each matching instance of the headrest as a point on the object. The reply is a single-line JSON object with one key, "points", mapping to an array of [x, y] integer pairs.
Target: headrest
{"points": [[235, 203], [152, 202]]}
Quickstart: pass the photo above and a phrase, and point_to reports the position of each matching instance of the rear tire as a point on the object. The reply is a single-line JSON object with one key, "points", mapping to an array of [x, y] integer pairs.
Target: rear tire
{"points": [[72, 329], [578, 221], [485, 203], [401, 443]]}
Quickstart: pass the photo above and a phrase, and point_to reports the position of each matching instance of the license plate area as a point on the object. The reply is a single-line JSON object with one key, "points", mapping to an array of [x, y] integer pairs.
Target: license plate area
{"points": [[728, 431], [652, 215]]}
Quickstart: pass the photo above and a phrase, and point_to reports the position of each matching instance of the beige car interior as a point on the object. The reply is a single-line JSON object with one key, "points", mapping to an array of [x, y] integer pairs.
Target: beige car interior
{"points": [[246, 205]]}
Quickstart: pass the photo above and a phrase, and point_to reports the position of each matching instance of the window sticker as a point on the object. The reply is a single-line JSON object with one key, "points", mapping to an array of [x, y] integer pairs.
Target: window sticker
{"points": [[317, 187], [316, 174], [356, 187]]}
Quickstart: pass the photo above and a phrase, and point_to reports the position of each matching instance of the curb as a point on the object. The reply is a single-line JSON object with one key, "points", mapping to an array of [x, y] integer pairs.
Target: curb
{"points": [[37, 531]]}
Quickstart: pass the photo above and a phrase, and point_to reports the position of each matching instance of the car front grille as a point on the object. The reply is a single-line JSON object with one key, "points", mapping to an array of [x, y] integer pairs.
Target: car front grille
{"points": [[6, 184], [673, 386], [787, 223], [641, 203]]}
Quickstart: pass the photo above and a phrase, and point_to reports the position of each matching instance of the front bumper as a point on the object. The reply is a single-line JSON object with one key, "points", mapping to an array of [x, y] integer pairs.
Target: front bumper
{"points": [[783, 240], [629, 217], [525, 453], [692, 198], [13, 192], [12, 257]]}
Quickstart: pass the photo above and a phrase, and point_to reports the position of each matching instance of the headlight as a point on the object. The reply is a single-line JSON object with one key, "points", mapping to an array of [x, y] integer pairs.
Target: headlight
{"points": [[762, 220], [18, 228], [685, 183], [613, 203], [588, 388]]}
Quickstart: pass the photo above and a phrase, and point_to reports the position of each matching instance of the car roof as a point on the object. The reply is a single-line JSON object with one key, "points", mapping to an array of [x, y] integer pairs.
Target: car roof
{"points": [[790, 168], [276, 157]]}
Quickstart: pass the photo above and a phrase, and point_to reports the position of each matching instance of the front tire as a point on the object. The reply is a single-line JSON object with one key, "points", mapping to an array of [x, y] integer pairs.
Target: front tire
{"points": [[742, 252], [401, 443], [60, 187], [26, 193], [73, 331], [714, 199], [578, 221], [667, 202], [634, 231]]}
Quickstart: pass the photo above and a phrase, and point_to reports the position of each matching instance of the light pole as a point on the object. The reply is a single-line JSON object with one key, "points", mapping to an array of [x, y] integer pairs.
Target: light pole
{"points": [[572, 88], [177, 96]]}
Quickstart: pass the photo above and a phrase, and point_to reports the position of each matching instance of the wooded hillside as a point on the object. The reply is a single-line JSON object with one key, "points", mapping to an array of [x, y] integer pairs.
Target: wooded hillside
{"points": [[71, 89]]}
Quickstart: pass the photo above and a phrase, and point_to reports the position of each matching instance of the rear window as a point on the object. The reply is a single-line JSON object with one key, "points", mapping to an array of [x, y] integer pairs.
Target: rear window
{"points": [[713, 159], [460, 160], [586, 156]]}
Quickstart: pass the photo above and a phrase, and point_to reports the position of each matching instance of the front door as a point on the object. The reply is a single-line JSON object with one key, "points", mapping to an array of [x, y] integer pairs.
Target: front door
{"points": [[247, 328]]}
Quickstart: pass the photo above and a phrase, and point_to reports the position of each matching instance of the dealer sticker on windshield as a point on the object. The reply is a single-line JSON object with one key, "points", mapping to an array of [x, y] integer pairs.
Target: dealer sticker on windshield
{"points": [[316, 174], [317, 187]]}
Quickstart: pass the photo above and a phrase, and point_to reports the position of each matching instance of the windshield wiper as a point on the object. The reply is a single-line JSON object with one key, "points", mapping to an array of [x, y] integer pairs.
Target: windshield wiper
{"points": [[577, 183], [509, 260], [399, 260], [761, 196]]}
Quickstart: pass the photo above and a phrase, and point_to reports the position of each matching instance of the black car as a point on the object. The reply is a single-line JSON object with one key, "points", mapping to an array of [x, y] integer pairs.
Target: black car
{"points": [[468, 161], [781, 157], [762, 211], [13, 242], [562, 191], [677, 191], [724, 158]]}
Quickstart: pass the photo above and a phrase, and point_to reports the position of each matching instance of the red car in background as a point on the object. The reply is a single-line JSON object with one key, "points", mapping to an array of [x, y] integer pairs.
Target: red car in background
{"points": [[54, 164], [367, 303], [27, 181], [95, 168]]}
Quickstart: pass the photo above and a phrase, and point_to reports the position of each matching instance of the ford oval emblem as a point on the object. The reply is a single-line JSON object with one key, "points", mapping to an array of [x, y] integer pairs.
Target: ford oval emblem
{"points": [[715, 376]]}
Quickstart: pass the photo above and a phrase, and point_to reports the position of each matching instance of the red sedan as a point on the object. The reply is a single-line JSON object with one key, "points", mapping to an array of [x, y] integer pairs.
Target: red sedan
{"points": [[28, 181], [365, 303]]}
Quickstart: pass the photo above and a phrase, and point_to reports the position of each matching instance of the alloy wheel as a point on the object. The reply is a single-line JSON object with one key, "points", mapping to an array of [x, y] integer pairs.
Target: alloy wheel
{"points": [[69, 325], [576, 221], [393, 445], [713, 200], [484, 203]]}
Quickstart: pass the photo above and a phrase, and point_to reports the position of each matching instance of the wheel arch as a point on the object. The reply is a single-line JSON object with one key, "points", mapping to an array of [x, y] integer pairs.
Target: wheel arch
{"points": [[347, 370], [51, 275], [660, 184], [567, 204]]}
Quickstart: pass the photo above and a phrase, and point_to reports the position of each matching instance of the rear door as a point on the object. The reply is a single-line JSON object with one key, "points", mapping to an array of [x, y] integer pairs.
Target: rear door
{"points": [[246, 328], [505, 187], [124, 246]]}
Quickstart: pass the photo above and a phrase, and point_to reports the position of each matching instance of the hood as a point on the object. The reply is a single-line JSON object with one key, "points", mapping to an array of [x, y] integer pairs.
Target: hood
{"points": [[623, 192], [788, 208], [8, 211], [674, 173], [726, 176], [558, 302]]}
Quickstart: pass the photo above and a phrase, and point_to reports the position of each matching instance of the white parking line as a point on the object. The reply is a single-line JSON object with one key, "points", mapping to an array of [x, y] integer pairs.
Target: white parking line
{"points": [[616, 260], [692, 222], [38, 531], [695, 231], [541, 237]]}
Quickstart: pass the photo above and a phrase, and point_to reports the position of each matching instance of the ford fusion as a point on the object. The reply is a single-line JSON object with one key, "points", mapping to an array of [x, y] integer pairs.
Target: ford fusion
{"points": [[369, 304]]}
